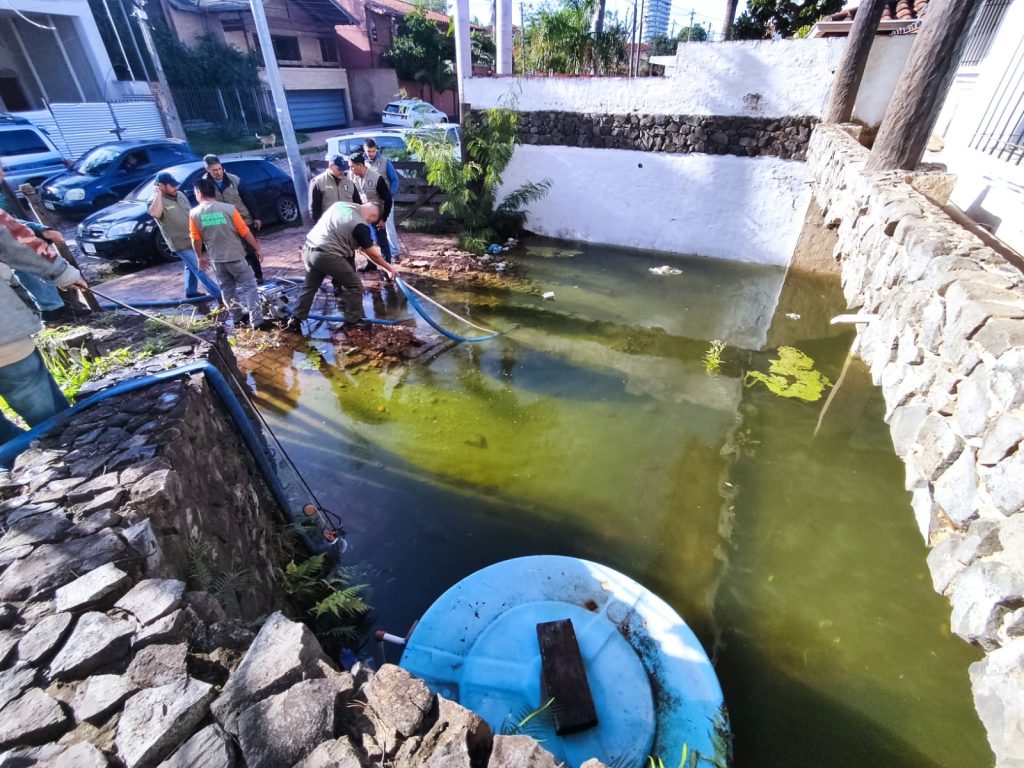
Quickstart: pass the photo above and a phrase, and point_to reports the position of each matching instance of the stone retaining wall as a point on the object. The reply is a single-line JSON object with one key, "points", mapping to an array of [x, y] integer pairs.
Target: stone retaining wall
{"points": [[784, 137], [135, 565], [947, 349]]}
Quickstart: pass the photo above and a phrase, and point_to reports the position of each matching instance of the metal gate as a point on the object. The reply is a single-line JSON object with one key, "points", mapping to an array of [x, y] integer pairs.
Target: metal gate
{"points": [[319, 108], [75, 128]]}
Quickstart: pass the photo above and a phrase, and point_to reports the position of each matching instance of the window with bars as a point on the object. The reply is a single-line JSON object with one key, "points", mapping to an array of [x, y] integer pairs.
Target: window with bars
{"points": [[1001, 130], [983, 32]]}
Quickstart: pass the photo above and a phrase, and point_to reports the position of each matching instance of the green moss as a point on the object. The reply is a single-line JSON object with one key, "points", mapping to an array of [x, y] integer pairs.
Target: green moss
{"points": [[792, 375]]}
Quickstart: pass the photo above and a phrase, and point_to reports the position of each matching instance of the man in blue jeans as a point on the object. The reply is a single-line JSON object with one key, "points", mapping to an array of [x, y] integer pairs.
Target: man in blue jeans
{"points": [[25, 384], [170, 210]]}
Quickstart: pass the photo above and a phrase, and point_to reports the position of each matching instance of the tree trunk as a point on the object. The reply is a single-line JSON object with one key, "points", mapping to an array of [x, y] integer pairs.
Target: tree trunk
{"points": [[855, 59], [915, 105], [598, 29], [730, 17]]}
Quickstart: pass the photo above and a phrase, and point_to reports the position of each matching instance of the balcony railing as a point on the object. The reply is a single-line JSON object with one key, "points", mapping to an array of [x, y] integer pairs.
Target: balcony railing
{"points": [[1001, 130]]}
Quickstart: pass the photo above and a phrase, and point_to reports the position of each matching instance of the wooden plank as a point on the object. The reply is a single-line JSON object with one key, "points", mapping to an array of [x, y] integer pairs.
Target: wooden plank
{"points": [[563, 677]]}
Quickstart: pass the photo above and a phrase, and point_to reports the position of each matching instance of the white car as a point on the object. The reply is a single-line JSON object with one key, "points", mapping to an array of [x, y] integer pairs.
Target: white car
{"points": [[348, 144], [27, 152], [451, 132], [410, 113]]}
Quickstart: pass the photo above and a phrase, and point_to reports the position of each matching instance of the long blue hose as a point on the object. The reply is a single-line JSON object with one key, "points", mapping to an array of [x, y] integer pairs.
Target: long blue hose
{"points": [[10, 450], [414, 302], [160, 303]]}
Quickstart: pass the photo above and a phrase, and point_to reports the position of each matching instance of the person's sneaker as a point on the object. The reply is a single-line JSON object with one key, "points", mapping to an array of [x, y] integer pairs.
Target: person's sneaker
{"points": [[266, 325], [294, 325]]}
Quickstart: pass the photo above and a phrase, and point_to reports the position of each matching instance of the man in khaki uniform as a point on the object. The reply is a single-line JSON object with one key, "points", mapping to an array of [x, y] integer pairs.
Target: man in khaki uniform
{"points": [[170, 210], [371, 187], [231, 190], [330, 187]]}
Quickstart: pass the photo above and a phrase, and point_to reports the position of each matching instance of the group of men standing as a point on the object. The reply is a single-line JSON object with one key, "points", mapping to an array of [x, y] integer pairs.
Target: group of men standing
{"points": [[350, 203]]}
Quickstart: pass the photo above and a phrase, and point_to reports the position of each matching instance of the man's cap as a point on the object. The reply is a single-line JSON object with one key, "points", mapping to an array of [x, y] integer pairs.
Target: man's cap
{"points": [[340, 161], [166, 178]]}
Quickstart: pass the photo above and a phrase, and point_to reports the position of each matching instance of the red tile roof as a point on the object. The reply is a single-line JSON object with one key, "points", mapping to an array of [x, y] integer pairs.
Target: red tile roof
{"points": [[895, 10], [401, 8]]}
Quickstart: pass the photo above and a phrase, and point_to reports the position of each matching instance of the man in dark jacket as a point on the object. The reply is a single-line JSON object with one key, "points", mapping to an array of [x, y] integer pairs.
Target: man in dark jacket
{"points": [[231, 190]]}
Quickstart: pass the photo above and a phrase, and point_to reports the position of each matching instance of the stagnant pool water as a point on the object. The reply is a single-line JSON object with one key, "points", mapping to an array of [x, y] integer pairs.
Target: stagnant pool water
{"points": [[593, 429]]}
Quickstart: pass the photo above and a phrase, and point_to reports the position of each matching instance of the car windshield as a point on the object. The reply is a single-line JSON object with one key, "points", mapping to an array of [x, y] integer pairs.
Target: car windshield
{"points": [[96, 161], [144, 192]]}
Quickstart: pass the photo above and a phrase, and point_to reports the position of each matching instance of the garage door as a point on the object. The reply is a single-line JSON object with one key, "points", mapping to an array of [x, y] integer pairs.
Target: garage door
{"points": [[324, 108]]}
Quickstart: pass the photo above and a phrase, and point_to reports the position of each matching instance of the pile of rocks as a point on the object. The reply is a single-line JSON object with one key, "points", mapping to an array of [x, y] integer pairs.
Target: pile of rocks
{"points": [[785, 137], [947, 348]]}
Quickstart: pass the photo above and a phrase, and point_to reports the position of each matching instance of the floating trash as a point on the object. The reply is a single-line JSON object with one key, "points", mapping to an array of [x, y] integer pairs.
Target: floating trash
{"points": [[793, 315], [550, 295], [420, 263], [665, 270], [493, 249]]}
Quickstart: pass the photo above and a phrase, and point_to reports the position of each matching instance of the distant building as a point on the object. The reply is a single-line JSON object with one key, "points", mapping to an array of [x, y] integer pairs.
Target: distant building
{"points": [[656, 18], [305, 46], [55, 56]]}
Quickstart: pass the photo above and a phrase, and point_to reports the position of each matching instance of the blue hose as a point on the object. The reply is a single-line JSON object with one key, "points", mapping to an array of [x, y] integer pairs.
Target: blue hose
{"points": [[414, 302], [341, 319], [161, 303], [10, 450]]}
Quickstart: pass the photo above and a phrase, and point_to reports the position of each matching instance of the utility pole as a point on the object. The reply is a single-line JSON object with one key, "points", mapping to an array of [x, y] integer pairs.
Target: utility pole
{"points": [[689, 29], [463, 51], [503, 36], [300, 177], [632, 42], [166, 101]]}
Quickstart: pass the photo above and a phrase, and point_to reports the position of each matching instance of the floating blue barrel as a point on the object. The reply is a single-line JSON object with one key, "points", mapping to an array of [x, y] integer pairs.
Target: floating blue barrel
{"points": [[654, 688]]}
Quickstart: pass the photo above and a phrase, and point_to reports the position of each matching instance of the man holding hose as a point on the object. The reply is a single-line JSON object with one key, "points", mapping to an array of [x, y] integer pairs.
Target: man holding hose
{"points": [[330, 249]]}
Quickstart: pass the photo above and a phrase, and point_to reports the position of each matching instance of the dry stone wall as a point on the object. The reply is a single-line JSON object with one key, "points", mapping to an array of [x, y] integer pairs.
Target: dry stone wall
{"points": [[946, 346], [115, 650], [744, 136]]}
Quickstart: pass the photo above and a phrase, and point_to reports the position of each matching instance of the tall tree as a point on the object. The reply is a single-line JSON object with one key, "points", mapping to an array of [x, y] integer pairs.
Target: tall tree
{"points": [[423, 53], [782, 17], [559, 39]]}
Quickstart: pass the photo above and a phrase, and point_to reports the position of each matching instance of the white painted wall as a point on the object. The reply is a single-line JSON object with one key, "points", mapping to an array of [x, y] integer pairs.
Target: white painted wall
{"points": [[742, 209], [989, 190], [773, 78]]}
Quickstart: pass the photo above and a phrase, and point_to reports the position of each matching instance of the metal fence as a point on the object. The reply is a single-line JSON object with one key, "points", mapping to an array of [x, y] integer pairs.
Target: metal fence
{"points": [[1001, 130], [984, 31], [250, 109]]}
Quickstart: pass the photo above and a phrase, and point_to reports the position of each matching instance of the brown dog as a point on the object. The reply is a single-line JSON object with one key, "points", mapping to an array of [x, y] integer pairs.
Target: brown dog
{"points": [[270, 140]]}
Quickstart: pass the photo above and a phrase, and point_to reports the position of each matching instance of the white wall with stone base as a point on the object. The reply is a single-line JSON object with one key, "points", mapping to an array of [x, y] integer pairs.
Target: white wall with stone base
{"points": [[742, 209]]}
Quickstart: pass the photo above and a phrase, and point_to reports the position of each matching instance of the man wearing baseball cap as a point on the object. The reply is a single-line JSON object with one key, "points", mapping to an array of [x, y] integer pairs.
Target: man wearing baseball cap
{"points": [[330, 187], [170, 209]]}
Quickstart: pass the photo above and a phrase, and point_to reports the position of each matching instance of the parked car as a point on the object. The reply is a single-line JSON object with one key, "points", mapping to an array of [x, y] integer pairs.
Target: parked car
{"points": [[392, 142], [409, 113], [347, 144], [125, 231], [108, 172], [28, 154]]}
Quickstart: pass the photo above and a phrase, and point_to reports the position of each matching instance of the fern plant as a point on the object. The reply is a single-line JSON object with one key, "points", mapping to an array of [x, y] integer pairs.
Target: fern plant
{"points": [[530, 722], [472, 187]]}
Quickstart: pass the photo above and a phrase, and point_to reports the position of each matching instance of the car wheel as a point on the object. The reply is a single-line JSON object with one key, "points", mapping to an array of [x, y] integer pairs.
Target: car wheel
{"points": [[161, 250], [288, 209]]}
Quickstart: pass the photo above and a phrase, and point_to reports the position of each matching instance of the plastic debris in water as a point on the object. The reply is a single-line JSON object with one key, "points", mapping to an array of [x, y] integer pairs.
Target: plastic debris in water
{"points": [[501, 266], [493, 249], [550, 295], [665, 270], [420, 263], [793, 315]]}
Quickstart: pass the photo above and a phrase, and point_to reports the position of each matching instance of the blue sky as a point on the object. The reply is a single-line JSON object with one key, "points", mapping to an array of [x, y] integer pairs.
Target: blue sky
{"points": [[705, 11]]}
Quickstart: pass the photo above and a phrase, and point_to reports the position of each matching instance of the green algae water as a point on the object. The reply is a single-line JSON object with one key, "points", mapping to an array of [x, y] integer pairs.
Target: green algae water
{"points": [[593, 429]]}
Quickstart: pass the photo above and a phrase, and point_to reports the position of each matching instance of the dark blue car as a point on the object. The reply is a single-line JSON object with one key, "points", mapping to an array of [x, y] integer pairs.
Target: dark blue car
{"points": [[108, 172], [126, 232]]}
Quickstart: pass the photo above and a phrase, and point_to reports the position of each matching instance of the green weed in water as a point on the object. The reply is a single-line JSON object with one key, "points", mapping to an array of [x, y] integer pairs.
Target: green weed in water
{"points": [[792, 375], [713, 357]]}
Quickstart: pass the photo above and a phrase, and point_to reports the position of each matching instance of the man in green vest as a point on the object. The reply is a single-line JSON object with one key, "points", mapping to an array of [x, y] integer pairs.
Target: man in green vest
{"points": [[170, 209], [220, 228], [330, 249], [231, 190]]}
